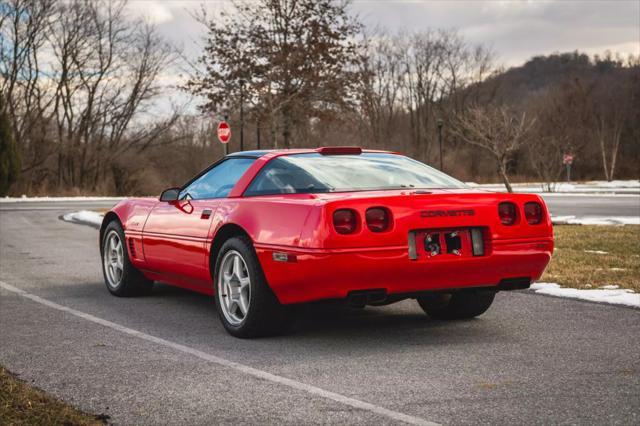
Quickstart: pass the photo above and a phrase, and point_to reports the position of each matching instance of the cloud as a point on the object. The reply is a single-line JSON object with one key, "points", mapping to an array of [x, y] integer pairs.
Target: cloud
{"points": [[155, 12], [518, 30]]}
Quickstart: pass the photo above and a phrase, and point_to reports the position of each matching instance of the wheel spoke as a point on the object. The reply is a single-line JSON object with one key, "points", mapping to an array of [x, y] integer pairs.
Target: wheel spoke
{"points": [[227, 290], [232, 306], [237, 266], [243, 305], [244, 283]]}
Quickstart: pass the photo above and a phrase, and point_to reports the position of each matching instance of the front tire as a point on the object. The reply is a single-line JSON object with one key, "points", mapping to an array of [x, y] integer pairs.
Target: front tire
{"points": [[120, 276], [246, 305], [452, 306]]}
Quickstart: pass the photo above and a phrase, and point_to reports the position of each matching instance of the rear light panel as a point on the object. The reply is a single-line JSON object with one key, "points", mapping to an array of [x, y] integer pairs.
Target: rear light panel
{"points": [[533, 213], [345, 221], [378, 219], [508, 213]]}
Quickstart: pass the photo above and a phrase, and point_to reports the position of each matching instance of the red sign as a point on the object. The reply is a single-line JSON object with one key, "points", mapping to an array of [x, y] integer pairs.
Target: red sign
{"points": [[224, 132], [567, 159]]}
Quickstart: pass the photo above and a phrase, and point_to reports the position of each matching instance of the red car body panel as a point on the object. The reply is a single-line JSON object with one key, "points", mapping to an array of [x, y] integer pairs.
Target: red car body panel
{"points": [[172, 241]]}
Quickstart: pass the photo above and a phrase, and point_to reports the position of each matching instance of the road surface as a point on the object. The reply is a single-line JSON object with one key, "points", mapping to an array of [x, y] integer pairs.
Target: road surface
{"points": [[165, 359], [559, 205], [593, 205]]}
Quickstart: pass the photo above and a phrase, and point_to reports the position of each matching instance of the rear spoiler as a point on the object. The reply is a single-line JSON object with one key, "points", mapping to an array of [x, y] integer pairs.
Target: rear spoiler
{"points": [[339, 150]]}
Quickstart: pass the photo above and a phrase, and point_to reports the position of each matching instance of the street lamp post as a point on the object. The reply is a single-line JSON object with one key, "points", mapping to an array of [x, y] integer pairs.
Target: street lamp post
{"points": [[440, 123], [258, 134], [242, 115], [226, 145]]}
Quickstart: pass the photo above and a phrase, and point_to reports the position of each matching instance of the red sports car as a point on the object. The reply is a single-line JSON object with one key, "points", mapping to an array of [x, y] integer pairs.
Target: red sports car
{"points": [[263, 230]]}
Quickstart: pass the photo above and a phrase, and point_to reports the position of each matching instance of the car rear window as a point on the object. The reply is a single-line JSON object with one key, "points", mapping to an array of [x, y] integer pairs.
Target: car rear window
{"points": [[315, 173]]}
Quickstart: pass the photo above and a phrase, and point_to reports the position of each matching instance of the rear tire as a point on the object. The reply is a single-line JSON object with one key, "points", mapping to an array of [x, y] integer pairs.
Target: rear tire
{"points": [[120, 276], [452, 306], [246, 305]]}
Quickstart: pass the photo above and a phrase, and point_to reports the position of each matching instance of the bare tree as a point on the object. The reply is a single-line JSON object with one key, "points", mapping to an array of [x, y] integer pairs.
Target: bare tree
{"points": [[411, 80], [612, 108], [497, 130], [291, 60], [80, 73], [23, 29]]}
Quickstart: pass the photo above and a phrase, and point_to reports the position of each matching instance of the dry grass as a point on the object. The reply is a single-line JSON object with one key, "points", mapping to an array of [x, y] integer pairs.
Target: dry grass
{"points": [[21, 404], [578, 262]]}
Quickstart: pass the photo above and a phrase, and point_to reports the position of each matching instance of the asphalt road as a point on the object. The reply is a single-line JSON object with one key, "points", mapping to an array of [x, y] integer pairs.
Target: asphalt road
{"points": [[165, 359], [559, 205], [593, 205]]}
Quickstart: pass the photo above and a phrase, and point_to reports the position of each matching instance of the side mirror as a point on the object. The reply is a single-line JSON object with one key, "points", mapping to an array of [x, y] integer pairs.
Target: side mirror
{"points": [[170, 194]]}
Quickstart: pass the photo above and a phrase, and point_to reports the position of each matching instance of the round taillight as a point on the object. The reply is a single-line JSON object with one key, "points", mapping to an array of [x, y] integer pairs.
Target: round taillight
{"points": [[345, 221], [378, 219], [507, 213], [533, 213]]}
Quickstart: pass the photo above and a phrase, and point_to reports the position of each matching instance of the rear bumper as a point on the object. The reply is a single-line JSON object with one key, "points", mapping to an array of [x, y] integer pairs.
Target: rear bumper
{"points": [[332, 274]]}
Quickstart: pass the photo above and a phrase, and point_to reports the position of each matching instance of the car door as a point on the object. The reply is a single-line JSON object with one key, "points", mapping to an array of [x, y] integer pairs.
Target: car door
{"points": [[175, 234]]}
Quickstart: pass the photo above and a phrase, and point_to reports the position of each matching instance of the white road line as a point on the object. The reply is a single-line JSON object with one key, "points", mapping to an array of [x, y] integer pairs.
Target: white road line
{"points": [[260, 374]]}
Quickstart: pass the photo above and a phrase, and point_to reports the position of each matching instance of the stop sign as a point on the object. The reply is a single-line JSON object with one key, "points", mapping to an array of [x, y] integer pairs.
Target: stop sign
{"points": [[567, 159], [224, 132]]}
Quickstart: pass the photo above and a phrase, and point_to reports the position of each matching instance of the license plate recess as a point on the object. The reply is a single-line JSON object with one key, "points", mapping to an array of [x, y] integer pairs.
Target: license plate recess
{"points": [[445, 243]]}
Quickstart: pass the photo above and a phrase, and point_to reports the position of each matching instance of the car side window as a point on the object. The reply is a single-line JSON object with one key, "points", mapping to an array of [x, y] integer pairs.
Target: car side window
{"points": [[281, 177], [218, 181]]}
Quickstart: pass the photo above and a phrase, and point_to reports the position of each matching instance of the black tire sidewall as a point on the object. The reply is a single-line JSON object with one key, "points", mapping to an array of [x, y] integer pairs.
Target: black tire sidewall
{"points": [[133, 283], [239, 246], [265, 313]]}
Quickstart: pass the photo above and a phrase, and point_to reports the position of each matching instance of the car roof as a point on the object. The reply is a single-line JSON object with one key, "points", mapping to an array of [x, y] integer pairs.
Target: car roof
{"points": [[254, 153], [279, 152]]}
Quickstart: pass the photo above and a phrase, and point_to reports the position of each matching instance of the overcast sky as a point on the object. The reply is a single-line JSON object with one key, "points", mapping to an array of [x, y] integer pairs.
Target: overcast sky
{"points": [[515, 29]]}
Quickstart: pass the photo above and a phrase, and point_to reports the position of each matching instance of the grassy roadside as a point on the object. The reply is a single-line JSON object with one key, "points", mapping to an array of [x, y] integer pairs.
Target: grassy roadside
{"points": [[593, 256], [21, 404]]}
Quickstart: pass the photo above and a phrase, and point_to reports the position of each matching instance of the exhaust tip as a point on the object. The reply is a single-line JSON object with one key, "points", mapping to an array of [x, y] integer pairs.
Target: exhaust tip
{"points": [[361, 298], [520, 283]]}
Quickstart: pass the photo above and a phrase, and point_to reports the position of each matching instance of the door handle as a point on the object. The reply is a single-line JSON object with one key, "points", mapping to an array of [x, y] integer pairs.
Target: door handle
{"points": [[206, 214]]}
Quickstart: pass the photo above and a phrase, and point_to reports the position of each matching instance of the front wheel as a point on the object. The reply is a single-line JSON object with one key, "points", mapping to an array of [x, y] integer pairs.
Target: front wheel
{"points": [[120, 276], [246, 305], [462, 305]]}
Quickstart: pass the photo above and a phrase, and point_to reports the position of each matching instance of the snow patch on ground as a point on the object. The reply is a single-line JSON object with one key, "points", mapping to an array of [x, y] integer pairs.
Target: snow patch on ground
{"points": [[595, 220], [607, 294], [86, 217], [591, 187], [633, 183], [36, 199]]}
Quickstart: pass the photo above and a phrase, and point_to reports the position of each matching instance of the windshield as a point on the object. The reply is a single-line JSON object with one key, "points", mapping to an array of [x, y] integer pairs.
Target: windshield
{"points": [[313, 173]]}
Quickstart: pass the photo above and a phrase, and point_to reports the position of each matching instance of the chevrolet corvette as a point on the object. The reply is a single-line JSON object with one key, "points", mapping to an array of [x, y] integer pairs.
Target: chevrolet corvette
{"points": [[260, 231]]}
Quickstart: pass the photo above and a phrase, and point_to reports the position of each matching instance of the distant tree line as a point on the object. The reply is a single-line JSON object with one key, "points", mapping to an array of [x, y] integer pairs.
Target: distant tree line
{"points": [[79, 79]]}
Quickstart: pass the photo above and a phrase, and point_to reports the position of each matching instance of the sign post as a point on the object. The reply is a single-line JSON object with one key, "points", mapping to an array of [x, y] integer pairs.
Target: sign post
{"points": [[224, 135], [567, 160]]}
